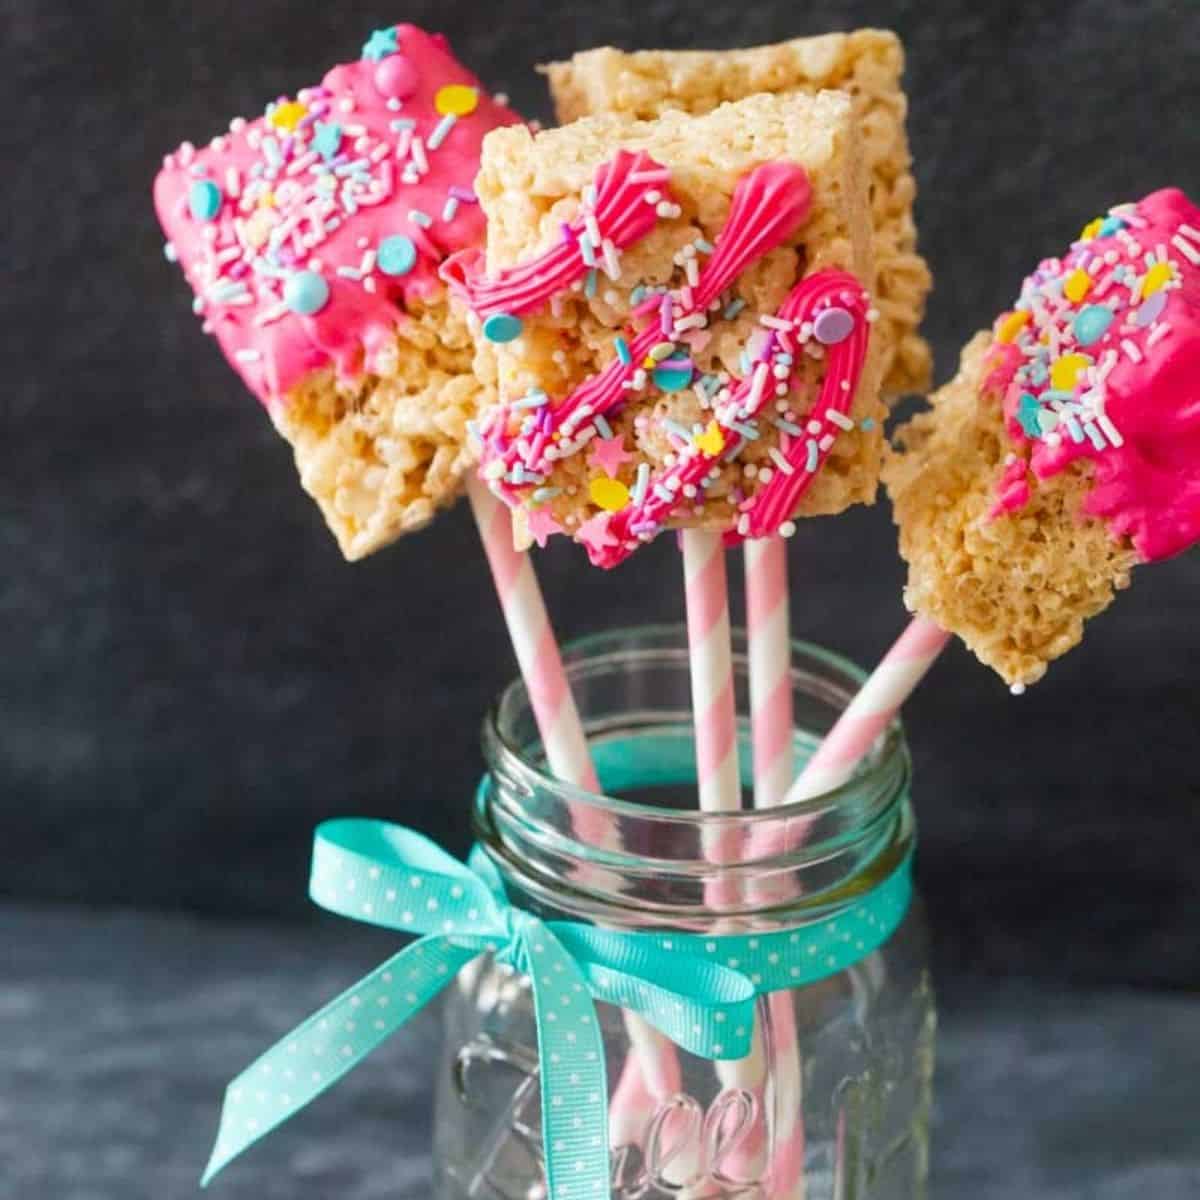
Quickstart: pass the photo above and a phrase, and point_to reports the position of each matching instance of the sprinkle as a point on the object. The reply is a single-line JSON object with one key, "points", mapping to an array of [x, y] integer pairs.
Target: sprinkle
{"points": [[587, 251], [733, 308], [419, 217], [466, 195], [1073, 427], [758, 382], [663, 494], [1151, 309], [602, 426], [826, 443], [417, 151], [1077, 285], [1065, 372], [350, 273], [397, 255], [712, 441], [622, 350], [441, 130], [1160, 274], [642, 482], [833, 325], [782, 463], [1157, 334], [775, 323], [787, 426], [1131, 351], [170, 253], [534, 398], [664, 314], [745, 429], [591, 283], [839, 419], [1094, 436], [542, 494], [867, 424], [502, 327], [1011, 326], [675, 429], [306, 292], [653, 175], [247, 356], [204, 200], [1186, 249], [1110, 430], [612, 261], [812, 452], [1091, 323], [456, 99]]}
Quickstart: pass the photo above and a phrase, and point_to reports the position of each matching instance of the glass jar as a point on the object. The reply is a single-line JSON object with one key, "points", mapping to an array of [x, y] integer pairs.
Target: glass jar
{"points": [[833, 1103]]}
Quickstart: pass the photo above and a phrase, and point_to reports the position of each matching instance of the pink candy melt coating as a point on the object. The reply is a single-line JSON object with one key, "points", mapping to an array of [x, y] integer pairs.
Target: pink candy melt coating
{"points": [[1148, 487], [239, 274]]}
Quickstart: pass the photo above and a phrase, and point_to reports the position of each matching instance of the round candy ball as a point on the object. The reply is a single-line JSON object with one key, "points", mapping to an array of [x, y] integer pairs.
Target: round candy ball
{"points": [[397, 255], [396, 77], [306, 292]]}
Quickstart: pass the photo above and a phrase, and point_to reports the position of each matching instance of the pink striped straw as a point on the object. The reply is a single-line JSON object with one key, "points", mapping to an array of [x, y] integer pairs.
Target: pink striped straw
{"points": [[768, 628], [539, 660], [872, 709]]}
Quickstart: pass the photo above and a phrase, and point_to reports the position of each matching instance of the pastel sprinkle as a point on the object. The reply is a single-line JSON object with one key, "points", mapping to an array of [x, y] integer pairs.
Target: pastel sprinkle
{"points": [[456, 100], [1077, 285], [712, 440], [1011, 326], [397, 255], [1158, 275], [1065, 372], [419, 217], [441, 131], [609, 494], [1151, 309], [1091, 323], [502, 327], [306, 292], [733, 308], [622, 347], [833, 325], [204, 200]]}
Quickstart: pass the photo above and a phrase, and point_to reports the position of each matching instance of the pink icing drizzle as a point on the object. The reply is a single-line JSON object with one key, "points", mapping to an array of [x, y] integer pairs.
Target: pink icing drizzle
{"points": [[767, 206], [1147, 488], [271, 347]]}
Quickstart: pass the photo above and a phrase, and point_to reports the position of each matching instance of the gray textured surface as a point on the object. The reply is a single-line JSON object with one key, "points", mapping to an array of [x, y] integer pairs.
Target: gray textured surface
{"points": [[118, 1033]]}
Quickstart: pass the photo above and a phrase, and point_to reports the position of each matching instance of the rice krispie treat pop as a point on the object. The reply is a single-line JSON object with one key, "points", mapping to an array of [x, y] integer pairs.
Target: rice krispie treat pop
{"points": [[1067, 449], [867, 64], [676, 316], [312, 237]]}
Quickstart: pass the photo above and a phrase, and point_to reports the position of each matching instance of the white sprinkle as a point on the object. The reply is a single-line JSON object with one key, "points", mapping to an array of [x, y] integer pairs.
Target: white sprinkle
{"points": [[826, 443], [417, 150], [754, 399], [248, 356], [450, 208], [349, 273], [612, 261], [271, 314], [419, 217], [1189, 232], [1017, 689], [1186, 249], [593, 228], [787, 529], [441, 130], [692, 270], [1110, 430], [1131, 350], [839, 419], [781, 462], [1160, 331]]}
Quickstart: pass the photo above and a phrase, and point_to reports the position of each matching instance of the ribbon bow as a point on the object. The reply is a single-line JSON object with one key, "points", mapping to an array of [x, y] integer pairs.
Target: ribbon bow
{"points": [[385, 875]]}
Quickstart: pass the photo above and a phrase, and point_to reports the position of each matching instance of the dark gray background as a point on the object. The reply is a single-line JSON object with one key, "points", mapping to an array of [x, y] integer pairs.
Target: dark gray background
{"points": [[191, 675]]}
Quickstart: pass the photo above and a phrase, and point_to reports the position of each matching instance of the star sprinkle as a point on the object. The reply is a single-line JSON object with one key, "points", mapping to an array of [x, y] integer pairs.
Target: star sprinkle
{"points": [[608, 454], [594, 533], [380, 44], [327, 139], [542, 524]]}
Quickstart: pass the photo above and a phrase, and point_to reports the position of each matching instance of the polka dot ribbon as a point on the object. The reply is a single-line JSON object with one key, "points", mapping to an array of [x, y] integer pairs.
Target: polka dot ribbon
{"points": [[698, 991]]}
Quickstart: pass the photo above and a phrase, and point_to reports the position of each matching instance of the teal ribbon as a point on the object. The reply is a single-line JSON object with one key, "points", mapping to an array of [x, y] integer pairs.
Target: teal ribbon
{"points": [[699, 991]]}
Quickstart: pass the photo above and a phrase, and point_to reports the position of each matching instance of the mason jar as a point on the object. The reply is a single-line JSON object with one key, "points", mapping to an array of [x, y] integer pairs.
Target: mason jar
{"points": [[833, 1101]]}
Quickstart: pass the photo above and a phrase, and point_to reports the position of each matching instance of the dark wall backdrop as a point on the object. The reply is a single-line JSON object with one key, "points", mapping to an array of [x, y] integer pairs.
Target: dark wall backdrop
{"points": [[191, 675]]}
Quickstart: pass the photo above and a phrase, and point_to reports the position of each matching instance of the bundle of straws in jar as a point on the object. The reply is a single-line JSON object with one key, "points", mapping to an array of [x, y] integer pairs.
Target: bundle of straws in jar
{"points": [[683, 310]]}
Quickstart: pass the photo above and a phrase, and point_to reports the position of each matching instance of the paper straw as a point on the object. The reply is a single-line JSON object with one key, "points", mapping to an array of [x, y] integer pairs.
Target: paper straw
{"points": [[711, 659], [768, 629], [871, 710], [654, 1061]]}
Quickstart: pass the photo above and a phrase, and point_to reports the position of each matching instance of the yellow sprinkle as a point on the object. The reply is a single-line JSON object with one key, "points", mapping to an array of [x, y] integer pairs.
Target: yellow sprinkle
{"points": [[288, 116], [648, 363], [266, 200], [258, 228], [1091, 229], [610, 494], [712, 440], [1065, 371], [1011, 326], [456, 100], [1158, 275], [1078, 284]]}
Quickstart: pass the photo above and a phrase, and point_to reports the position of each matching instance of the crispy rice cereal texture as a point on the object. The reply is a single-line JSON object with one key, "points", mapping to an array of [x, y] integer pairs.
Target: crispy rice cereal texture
{"points": [[1016, 588], [380, 454], [867, 64], [528, 185]]}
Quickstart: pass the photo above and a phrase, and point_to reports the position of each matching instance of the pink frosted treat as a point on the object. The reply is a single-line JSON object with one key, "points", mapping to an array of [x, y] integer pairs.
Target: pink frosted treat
{"points": [[312, 238], [1067, 449]]}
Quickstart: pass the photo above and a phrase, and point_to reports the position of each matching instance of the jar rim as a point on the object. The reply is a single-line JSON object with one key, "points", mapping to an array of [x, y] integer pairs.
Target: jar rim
{"points": [[505, 756]]}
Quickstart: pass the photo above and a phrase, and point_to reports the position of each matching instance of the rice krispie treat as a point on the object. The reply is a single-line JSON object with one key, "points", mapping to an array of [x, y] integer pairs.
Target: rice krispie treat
{"points": [[312, 237], [867, 65], [676, 317], [1067, 448]]}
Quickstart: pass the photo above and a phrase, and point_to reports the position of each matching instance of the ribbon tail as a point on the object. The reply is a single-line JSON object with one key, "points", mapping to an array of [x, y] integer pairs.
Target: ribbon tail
{"points": [[574, 1084], [333, 1041]]}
